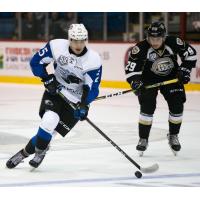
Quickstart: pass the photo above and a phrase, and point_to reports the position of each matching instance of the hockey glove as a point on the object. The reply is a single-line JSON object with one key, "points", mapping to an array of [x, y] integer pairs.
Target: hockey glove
{"points": [[138, 87], [183, 75], [51, 84], [81, 111]]}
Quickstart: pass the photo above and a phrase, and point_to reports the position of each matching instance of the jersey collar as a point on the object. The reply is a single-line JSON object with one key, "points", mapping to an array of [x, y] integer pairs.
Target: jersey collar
{"points": [[78, 55]]}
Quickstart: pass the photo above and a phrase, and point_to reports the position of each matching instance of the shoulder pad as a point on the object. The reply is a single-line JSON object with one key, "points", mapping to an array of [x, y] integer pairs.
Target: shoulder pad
{"points": [[93, 60], [176, 42], [179, 41], [59, 46], [135, 50]]}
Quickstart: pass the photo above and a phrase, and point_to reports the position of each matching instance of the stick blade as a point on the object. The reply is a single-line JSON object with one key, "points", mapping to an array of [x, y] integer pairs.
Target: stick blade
{"points": [[150, 169]]}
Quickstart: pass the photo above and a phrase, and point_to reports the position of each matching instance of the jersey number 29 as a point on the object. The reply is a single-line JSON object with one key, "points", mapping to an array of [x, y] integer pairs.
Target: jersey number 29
{"points": [[130, 66]]}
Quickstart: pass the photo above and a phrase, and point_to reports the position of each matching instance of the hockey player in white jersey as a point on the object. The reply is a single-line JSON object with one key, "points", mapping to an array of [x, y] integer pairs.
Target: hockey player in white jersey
{"points": [[78, 72]]}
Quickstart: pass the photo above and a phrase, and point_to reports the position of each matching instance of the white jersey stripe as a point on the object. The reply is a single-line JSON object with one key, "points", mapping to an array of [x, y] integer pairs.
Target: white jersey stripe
{"points": [[133, 74]]}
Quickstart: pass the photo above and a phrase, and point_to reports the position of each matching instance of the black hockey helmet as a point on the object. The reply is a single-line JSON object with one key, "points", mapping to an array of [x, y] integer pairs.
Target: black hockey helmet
{"points": [[156, 29]]}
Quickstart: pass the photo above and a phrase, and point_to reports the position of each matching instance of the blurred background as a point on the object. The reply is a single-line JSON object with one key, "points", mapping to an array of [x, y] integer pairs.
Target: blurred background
{"points": [[102, 26], [111, 34]]}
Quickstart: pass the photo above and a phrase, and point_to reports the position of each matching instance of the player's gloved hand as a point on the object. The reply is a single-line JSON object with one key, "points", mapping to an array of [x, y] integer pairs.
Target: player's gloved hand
{"points": [[51, 84], [138, 87], [183, 75], [81, 111]]}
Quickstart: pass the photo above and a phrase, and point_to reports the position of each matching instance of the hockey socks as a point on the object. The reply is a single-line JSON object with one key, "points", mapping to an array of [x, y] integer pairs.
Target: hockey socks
{"points": [[43, 139], [40, 141], [174, 128], [144, 131]]}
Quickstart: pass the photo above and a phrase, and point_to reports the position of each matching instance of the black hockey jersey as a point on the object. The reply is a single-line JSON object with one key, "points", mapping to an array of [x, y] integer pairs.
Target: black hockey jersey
{"points": [[152, 66]]}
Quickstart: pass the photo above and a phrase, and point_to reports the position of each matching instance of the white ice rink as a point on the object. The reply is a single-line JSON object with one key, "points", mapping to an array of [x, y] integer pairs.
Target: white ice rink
{"points": [[84, 157]]}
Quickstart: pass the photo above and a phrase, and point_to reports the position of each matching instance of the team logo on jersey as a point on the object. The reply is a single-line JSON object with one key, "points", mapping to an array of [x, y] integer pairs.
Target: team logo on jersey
{"points": [[153, 56], [72, 78], [63, 60], [179, 41], [162, 66], [48, 102], [135, 50]]}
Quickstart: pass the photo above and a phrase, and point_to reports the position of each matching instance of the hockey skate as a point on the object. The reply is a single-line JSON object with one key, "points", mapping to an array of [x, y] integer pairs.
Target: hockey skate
{"points": [[142, 146], [16, 159], [38, 158], [174, 143]]}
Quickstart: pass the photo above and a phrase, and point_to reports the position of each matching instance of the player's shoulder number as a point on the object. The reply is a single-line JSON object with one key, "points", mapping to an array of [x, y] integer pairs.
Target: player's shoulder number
{"points": [[41, 52]]}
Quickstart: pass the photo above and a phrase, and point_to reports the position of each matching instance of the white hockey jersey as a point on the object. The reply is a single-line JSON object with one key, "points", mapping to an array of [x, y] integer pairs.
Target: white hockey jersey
{"points": [[71, 71]]}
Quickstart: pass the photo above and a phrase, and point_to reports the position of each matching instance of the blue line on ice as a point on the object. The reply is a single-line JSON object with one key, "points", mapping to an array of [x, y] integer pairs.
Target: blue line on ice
{"points": [[97, 180]]}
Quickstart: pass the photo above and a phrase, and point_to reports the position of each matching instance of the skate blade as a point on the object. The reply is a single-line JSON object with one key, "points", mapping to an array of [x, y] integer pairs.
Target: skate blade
{"points": [[140, 153], [174, 152], [32, 169]]}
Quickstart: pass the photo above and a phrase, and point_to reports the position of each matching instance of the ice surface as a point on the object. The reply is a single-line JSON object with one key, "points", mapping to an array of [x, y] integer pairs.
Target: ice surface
{"points": [[84, 157]]}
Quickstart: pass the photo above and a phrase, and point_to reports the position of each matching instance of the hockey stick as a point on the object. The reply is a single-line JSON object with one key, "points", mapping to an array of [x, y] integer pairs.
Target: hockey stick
{"points": [[149, 169], [147, 87]]}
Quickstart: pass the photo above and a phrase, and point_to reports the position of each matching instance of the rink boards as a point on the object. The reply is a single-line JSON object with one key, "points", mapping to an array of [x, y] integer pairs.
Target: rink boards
{"points": [[15, 56]]}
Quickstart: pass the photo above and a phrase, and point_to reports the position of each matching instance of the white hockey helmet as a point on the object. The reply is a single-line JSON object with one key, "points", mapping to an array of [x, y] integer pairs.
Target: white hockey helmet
{"points": [[77, 32]]}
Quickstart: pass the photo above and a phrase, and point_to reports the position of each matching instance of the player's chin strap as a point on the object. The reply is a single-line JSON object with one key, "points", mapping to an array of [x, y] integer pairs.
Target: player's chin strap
{"points": [[147, 87], [149, 169]]}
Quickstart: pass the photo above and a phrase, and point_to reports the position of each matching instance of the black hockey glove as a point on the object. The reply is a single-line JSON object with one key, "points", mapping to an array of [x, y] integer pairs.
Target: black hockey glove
{"points": [[51, 84], [183, 75], [138, 87], [81, 111]]}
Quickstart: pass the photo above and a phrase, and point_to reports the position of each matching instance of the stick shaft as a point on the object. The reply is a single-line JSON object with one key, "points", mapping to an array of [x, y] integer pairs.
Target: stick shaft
{"points": [[127, 91], [145, 170], [103, 134], [113, 143]]}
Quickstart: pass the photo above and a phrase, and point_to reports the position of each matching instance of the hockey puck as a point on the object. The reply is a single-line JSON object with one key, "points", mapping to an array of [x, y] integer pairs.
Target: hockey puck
{"points": [[138, 174]]}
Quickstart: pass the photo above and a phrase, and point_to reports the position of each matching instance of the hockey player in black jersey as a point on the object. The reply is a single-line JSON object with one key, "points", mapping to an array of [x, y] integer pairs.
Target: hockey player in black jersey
{"points": [[77, 70], [154, 60]]}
